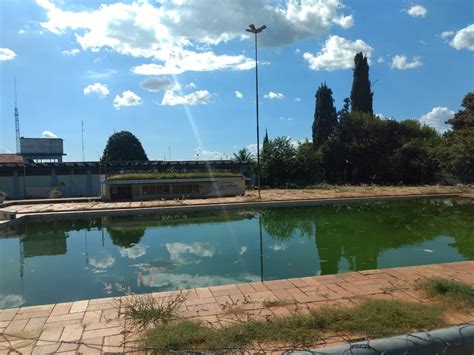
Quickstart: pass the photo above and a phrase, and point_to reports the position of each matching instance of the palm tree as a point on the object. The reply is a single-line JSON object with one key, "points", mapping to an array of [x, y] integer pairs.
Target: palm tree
{"points": [[243, 155]]}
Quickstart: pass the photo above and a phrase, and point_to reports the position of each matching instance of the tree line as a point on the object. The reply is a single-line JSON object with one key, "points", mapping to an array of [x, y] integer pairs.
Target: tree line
{"points": [[355, 146]]}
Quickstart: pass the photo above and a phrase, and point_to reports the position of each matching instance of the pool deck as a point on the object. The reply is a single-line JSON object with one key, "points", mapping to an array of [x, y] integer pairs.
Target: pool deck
{"points": [[95, 326]]}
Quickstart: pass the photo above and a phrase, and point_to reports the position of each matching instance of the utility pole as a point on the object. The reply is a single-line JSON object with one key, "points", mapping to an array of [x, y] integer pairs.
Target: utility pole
{"points": [[82, 139], [255, 31], [17, 122]]}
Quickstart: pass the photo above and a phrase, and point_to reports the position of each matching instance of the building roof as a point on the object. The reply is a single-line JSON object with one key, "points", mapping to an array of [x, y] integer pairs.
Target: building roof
{"points": [[11, 159]]}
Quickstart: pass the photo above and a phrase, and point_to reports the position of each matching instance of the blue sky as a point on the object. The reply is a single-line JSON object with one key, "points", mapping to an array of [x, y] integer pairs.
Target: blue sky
{"points": [[179, 74]]}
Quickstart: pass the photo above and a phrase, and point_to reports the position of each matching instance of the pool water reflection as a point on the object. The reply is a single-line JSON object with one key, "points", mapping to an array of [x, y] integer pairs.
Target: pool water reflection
{"points": [[65, 260]]}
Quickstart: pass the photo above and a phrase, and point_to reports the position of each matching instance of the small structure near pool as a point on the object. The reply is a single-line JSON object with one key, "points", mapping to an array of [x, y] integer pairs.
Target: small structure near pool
{"points": [[167, 185]]}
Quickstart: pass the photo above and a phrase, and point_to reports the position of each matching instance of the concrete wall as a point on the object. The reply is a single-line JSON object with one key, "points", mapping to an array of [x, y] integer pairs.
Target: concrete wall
{"points": [[41, 145], [19, 187]]}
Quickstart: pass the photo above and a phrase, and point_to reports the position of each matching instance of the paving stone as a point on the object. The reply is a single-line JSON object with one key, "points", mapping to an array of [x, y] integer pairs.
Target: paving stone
{"points": [[16, 326], [61, 308], [113, 343], [92, 317], [49, 336], [234, 290], [65, 317], [8, 314], [45, 349], [91, 334], [199, 301], [203, 292], [72, 333], [278, 285], [79, 306], [68, 348], [30, 315], [246, 288], [35, 324]]}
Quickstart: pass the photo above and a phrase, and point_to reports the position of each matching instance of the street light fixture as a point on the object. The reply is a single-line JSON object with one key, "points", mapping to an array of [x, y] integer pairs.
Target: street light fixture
{"points": [[255, 31]]}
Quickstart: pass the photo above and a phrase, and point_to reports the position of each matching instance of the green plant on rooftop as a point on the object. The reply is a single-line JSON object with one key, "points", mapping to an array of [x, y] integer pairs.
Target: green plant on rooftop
{"points": [[123, 146], [171, 175]]}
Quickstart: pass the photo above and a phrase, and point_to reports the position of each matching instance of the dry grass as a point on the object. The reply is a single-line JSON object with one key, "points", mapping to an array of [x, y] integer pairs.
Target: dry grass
{"points": [[451, 293], [374, 318]]}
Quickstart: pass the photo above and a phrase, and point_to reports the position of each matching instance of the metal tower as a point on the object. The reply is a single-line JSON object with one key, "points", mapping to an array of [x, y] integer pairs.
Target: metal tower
{"points": [[17, 123]]}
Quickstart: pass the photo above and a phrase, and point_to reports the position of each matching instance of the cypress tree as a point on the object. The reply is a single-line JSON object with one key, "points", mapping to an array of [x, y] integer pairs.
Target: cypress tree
{"points": [[325, 117], [361, 95], [265, 139]]}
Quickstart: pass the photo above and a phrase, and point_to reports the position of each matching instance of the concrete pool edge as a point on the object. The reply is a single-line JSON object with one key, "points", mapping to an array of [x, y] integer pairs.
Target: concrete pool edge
{"points": [[96, 324], [120, 211]]}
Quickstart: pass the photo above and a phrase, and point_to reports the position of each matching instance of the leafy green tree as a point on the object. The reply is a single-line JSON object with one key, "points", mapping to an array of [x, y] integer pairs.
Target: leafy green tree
{"points": [[124, 146], [307, 165], [325, 117], [464, 119], [243, 155], [361, 94], [457, 154], [278, 162]]}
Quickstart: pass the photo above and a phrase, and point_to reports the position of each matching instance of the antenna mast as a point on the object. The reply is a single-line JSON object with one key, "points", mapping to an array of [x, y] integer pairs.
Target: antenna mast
{"points": [[82, 138], [17, 122]]}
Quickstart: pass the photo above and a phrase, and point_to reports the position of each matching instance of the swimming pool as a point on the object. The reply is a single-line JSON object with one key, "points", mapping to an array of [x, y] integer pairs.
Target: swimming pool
{"points": [[64, 260]]}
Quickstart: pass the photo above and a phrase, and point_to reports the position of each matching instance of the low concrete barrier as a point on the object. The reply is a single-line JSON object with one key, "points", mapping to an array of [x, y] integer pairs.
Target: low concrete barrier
{"points": [[458, 340]]}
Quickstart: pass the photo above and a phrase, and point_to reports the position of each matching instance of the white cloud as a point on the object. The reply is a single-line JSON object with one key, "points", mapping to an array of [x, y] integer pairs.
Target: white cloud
{"points": [[134, 252], [200, 97], [278, 247], [274, 95], [6, 54], [128, 98], [4, 150], [462, 39], [238, 94], [297, 99], [201, 153], [99, 75], [156, 83], [156, 277], [447, 34], [188, 253], [97, 88], [380, 60], [11, 301], [192, 61], [337, 53], [144, 30], [191, 85], [437, 117], [102, 263], [417, 11], [401, 62], [71, 52], [48, 134]]}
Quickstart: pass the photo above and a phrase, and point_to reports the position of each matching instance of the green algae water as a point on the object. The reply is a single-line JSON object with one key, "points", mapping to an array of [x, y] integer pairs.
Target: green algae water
{"points": [[67, 260]]}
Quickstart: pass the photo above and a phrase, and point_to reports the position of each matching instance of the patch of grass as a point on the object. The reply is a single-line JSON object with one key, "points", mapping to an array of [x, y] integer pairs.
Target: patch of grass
{"points": [[320, 186], [451, 292], [144, 310], [373, 318], [277, 303], [171, 175]]}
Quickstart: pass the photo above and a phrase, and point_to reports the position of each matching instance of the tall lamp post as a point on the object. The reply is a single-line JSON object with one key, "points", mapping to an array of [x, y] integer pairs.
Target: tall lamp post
{"points": [[255, 31]]}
